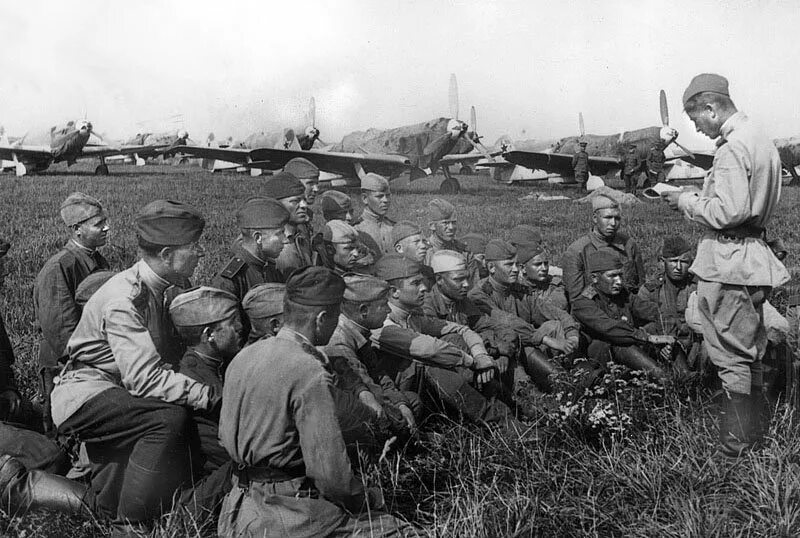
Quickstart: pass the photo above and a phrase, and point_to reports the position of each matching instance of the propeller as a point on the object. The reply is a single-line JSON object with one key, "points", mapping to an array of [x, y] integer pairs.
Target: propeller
{"points": [[453, 96], [665, 122], [312, 112], [475, 139], [581, 127]]}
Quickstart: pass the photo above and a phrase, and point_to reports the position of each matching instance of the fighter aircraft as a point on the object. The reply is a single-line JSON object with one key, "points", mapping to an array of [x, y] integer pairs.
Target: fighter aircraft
{"points": [[417, 149]]}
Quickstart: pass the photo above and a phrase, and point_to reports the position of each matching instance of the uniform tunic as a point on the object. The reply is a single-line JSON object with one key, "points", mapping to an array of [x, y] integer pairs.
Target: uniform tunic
{"points": [[245, 271], [122, 340], [296, 253], [613, 318], [580, 165], [552, 289], [379, 229], [54, 298], [655, 164], [735, 266], [576, 268]]}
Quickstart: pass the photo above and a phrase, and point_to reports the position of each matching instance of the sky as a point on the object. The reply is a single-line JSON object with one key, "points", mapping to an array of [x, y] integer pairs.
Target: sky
{"points": [[528, 66]]}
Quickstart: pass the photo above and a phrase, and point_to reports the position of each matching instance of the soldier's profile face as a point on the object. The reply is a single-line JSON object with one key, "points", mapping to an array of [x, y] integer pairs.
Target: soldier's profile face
{"points": [[297, 208], [677, 268], [608, 282], [606, 221], [94, 232], [312, 188], [378, 202], [454, 284], [445, 229], [272, 241], [376, 313], [504, 271], [346, 254], [704, 122], [413, 247], [412, 291], [228, 336], [537, 269], [184, 259]]}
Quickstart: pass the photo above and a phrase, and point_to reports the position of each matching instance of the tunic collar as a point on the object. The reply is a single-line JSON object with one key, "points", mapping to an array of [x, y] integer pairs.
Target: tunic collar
{"points": [[731, 124], [156, 284]]}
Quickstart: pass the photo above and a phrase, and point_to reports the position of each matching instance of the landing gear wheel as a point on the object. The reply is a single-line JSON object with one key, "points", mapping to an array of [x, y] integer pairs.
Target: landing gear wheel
{"points": [[101, 170], [450, 186], [466, 171]]}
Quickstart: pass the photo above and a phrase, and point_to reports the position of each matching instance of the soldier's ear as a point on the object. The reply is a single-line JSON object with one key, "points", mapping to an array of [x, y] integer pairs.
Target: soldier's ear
{"points": [[398, 248], [275, 325], [594, 278], [490, 267], [394, 293], [363, 310]]}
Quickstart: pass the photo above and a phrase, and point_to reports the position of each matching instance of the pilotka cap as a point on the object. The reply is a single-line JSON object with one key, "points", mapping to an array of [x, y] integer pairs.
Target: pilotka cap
{"points": [[339, 232], [604, 260], [335, 205], [364, 288], [443, 261], [302, 168], [264, 301], [524, 233], [314, 286], [90, 285], [674, 246], [258, 213], [283, 185], [201, 306], [403, 229], [497, 249], [439, 210], [706, 82], [169, 223], [79, 207], [374, 182], [393, 266], [527, 251], [476, 243]]}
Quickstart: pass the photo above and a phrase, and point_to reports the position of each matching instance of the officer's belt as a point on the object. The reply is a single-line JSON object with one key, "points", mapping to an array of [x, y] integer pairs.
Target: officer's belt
{"points": [[247, 474], [743, 232]]}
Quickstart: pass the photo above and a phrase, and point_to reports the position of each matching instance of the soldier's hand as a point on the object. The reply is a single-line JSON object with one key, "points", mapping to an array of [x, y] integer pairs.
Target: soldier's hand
{"points": [[502, 364], [666, 352], [9, 404], [482, 361], [408, 416], [671, 197], [368, 399]]}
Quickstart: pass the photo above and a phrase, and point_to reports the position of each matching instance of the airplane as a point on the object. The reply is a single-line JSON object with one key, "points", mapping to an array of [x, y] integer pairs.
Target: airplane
{"points": [[68, 143], [416, 149]]}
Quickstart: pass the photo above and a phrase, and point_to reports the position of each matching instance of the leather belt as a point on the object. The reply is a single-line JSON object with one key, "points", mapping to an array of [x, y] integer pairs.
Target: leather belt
{"points": [[247, 474]]}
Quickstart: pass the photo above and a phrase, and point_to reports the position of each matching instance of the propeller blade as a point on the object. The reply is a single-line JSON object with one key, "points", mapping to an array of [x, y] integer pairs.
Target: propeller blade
{"points": [[473, 120], [312, 112], [580, 124], [689, 153], [453, 96], [664, 109]]}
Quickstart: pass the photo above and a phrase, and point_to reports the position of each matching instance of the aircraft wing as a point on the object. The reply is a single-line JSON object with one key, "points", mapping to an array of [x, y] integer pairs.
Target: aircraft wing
{"points": [[26, 153], [238, 156], [344, 164], [465, 158], [560, 163], [702, 160], [108, 151]]}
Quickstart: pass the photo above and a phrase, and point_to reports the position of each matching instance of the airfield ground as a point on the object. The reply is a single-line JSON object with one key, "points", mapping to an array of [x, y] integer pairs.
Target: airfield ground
{"points": [[631, 459]]}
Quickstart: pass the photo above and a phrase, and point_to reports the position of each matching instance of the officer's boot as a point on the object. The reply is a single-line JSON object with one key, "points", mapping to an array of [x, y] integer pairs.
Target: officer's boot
{"points": [[541, 369], [22, 490], [734, 424]]}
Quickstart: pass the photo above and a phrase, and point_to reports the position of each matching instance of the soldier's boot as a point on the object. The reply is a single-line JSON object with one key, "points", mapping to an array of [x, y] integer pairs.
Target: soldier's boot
{"points": [[636, 359], [541, 369], [22, 490], [735, 437], [760, 415]]}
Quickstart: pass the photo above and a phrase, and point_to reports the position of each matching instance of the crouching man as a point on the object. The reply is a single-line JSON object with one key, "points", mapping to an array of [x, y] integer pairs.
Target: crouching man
{"points": [[278, 424]]}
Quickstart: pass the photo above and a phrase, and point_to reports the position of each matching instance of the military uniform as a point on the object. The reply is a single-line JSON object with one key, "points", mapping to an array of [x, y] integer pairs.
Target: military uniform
{"points": [[296, 253], [630, 171], [655, 166], [244, 271], [551, 289], [379, 230], [580, 166]]}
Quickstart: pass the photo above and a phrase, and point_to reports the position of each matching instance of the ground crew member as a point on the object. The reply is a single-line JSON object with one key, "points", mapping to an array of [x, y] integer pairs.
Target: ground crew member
{"points": [[261, 223], [735, 267], [408, 241], [344, 250], [613, 317], [376, 196], [655, 165], [290, 192], [443, 225], [115, 395], [278, 424], [535, 274], [631, 169], [263, 307], [606, 219], [580, 165], [54, 289], [336, 205]]}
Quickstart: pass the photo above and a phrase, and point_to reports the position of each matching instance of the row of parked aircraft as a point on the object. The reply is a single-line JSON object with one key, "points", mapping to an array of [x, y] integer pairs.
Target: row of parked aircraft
{"points": [[420, 150]]}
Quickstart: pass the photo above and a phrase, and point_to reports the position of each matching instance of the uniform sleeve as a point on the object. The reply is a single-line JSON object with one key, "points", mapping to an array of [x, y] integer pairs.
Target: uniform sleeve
{"points": [[139, 362], [424, 348], [604, 327], [551, 312], [57, 312], [573, 277], [323, 448], [471, 338], [730, 206], [351, 373]]}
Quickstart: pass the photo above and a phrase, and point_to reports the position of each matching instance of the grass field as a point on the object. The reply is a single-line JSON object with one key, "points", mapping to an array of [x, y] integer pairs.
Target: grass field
{"points": [[632, 459]]}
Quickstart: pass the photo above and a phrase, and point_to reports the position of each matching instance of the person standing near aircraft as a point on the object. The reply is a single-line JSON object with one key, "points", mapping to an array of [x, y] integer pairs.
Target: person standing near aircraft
{"points": [[655, 165], [631, 169], [735, 267], [580, 164]]}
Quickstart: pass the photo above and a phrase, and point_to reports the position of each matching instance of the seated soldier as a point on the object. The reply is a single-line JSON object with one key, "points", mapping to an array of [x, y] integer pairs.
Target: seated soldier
{"points": [[409, 242], [290, 192], [344, 250], [670, 293], [375, 225], [443, 370], [261, 224], [535, 274], [613, 317], [336, 205], [278, 424], [476, 245], [364, 308], [263, 307], [543, 327], [207, 320], [525, 236]]}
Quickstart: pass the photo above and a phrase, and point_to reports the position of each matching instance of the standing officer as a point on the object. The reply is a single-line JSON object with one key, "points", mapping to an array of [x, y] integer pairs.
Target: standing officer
{"points": [[376, 196], [631, 168], [54, 289], [655, 165], [580, 165], [735, 267]]}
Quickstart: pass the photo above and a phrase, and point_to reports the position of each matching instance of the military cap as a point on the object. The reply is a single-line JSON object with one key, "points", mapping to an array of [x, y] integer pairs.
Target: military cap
{"points": [[527, 251], [364, 288], [374, 182], [335, 205], [302, 168], [4, 246], [403, 229], [706, 82], [393, 266], [524, 233], [439, 210], [314, 286], [283, 185], [257, 213], [601, 201], [264, 300], [338, 231], [443, 261], [604, 260], [169, 223], [674, 246], [476, 243], [201, 306], [79, 207], [497, 249], [90, 285]]}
